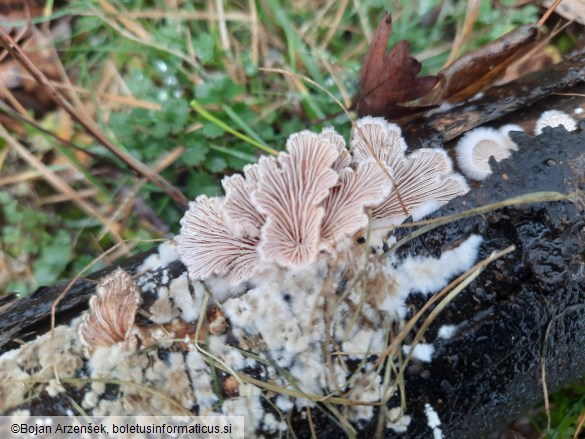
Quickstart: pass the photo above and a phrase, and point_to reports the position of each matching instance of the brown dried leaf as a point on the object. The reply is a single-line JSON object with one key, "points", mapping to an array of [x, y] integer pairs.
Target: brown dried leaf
{"points": [[389, 79], [477, 69]]}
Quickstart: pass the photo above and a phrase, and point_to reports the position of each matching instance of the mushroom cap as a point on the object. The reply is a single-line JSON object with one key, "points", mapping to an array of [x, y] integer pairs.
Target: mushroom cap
{"points": [[506, 130], [376, 137], [240, 215], [422, 180], [554, 118], [291, 190], [345, 205], [344, 158], [207, 246], [475, 149], [111, 314]]}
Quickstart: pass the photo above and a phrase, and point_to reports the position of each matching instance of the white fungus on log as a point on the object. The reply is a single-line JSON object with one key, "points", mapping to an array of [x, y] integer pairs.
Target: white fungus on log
{"points": [[475, 149], [554, 118], [506, 130]]}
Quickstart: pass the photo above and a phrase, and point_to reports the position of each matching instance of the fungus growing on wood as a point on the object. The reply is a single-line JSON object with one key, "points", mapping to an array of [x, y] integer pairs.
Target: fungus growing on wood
{"points": [[287, 209], [289, 194], [475, 149], [423, 180], [374, 135], [506, 130], [111, 314], [344, 158], [554, 118], [240, 214], [208, 247], [368, 186]]}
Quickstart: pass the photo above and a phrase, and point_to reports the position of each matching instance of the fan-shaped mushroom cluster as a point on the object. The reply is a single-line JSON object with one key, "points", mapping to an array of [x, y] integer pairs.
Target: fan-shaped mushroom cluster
{"points": [[284, 210]]}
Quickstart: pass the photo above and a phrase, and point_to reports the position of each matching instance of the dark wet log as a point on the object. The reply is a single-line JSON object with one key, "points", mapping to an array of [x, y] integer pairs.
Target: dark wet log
{"points": [[498, 102], [489, 372]]}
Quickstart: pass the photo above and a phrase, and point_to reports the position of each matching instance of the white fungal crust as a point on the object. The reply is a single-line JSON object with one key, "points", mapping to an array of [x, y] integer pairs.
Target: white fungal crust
{"points": [[289, 194], [475, 149], [344, 206], [111, 314], [240, 215], [207, 246], [554, 118]]}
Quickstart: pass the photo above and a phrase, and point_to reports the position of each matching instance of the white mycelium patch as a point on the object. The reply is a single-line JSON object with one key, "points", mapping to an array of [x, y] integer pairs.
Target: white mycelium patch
{"points": [[397, 421], [447, 331], [291, 319], [427, 275], [166, 253], [433, 421], [422, 351]]}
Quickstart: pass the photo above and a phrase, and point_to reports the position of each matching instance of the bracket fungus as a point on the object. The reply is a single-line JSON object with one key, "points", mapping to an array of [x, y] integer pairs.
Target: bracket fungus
{"points": [[476, 147], [290, 193], [112, 312], [554, 118], [285, 210], [423, 181]]}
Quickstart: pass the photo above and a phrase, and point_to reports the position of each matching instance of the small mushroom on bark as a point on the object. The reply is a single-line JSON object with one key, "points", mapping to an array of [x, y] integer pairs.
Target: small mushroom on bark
{"points": [[345, 205], [554, 118], [475, 149], [111, 314], [240, 214], [423, 180], [506, 130], [208, 247], [290, 193]]}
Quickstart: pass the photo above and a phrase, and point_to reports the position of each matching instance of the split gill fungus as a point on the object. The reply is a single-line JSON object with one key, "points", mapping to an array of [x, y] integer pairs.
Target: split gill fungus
{"points": [[285, 210]]}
